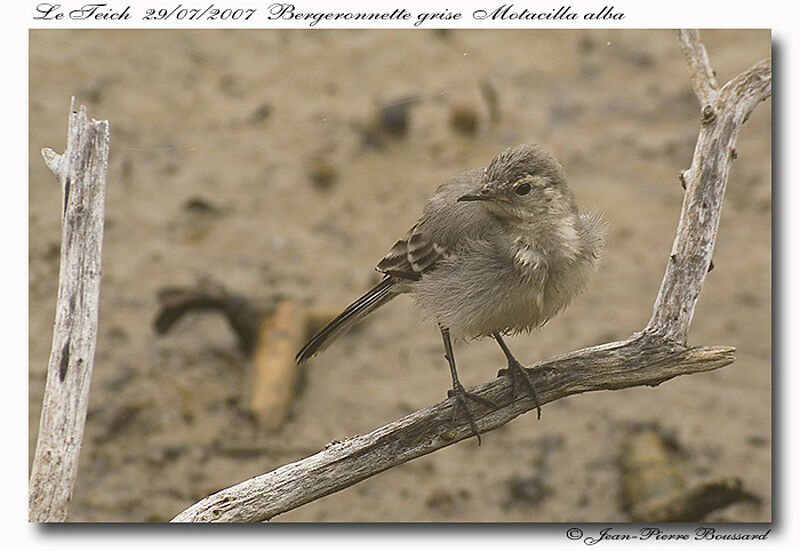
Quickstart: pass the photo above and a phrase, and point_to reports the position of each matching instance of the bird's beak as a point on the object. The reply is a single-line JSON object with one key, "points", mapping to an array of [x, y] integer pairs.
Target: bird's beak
{"points": [[483, 193]]}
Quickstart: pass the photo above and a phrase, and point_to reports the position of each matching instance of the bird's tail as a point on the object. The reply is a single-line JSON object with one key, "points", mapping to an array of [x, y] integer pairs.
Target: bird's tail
{"points": [[370, 301]]}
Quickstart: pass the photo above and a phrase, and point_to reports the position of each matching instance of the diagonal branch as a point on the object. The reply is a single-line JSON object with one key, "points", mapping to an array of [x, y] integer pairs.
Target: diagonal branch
{"points": [[641, 360], [650, 357]]}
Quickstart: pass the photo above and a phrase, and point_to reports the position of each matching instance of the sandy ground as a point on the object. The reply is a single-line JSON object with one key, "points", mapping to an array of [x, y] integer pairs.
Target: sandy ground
{"points": [[239, 120]]}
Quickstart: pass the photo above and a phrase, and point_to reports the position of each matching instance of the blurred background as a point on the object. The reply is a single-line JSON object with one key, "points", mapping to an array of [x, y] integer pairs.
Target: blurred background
{"points": [[283, 164]]}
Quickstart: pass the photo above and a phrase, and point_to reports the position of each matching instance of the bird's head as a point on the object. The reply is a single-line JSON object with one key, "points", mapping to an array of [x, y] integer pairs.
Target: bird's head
{"points": [[524, 182]]}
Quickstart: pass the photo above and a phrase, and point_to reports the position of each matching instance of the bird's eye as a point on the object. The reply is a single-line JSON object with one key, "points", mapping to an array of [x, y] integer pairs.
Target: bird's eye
{"points": [[522, 189]]}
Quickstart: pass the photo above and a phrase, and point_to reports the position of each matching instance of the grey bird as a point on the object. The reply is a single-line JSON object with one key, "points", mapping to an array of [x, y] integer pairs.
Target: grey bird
{"points": [[498, 251]]}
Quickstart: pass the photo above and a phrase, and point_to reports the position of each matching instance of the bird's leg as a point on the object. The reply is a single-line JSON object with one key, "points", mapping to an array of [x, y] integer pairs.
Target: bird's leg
{"points": [[458, 393], [516, 371]]}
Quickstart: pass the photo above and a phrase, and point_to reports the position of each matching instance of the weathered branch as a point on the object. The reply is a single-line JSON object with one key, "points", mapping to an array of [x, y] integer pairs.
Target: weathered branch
{"points": [[647, 358], [82, 172], [724, 114], [701, 75], [641, 360]]}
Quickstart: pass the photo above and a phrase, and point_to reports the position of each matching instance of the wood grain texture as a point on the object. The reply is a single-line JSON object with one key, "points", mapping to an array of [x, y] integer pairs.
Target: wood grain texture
{"points": [[82, 171], [724, 114], [701, 75]]}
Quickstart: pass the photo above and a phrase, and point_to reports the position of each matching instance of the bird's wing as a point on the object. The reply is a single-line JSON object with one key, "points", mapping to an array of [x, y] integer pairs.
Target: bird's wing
{"points": [[412, 256]]}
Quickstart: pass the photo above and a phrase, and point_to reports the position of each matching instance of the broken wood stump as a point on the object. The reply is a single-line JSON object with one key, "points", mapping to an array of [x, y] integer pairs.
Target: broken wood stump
{"points": [[270, 333]]}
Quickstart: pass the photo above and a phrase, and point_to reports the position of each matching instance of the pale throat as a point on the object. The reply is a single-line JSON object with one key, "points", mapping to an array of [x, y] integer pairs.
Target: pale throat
{"points": [[538, 243]]}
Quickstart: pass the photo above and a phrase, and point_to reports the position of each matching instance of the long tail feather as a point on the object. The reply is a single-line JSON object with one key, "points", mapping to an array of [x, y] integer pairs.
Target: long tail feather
{"points": [[358, 310]]}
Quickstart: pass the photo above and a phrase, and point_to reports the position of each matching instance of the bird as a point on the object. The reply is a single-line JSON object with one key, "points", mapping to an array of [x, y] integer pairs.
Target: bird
{"points": [[497, 251]]}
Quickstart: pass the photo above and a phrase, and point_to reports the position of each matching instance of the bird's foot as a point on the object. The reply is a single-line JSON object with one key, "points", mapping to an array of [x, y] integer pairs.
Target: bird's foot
{"points": [[516, 373], [461, 397]]}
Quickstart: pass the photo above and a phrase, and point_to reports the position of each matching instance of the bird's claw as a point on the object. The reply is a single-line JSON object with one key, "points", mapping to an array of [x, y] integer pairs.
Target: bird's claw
{"points": [[515, 371], [461, 396]]}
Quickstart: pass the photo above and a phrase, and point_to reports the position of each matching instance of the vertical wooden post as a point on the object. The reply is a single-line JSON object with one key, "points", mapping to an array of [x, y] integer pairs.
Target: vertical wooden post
{"points": [[82, 171]]}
